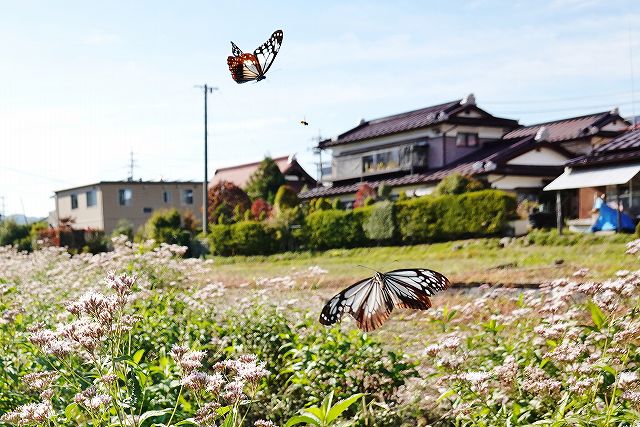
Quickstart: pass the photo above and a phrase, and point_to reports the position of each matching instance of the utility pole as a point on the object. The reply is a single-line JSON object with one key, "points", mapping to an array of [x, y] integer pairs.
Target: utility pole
{"points": [[318, 151], [206, 89]]}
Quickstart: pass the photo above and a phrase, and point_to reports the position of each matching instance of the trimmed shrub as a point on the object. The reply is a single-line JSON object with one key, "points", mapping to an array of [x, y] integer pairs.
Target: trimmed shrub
{"points": [[12, 233], [380, 226], [286, 198], [458, 184], [334, 229], [242, 238], [220, 240], [432, 218]]}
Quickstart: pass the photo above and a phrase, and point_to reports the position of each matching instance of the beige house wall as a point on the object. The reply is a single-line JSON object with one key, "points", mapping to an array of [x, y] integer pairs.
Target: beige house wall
{"points": [[84, 216], [146, 198]]}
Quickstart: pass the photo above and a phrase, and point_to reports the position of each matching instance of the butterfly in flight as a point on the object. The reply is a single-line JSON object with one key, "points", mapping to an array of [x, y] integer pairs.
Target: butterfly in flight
{"points": [[246, 67], [371, 301]]}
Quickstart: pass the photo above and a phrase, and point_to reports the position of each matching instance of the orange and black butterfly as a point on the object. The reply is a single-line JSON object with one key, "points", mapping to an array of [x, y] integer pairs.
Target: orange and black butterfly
{"points": [[246, 67]]}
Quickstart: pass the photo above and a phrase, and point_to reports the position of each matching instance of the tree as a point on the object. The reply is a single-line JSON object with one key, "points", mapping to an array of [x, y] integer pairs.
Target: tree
{"points": [[224, 197], [286, 198], [458, 184], [260, 209], [365, 191], [265, 181]]}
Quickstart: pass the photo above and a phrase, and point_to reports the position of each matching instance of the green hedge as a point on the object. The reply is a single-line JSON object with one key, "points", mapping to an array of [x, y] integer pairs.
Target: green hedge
{"points": [[242, 238], [432, 218], [335, 229], [425, 219]]}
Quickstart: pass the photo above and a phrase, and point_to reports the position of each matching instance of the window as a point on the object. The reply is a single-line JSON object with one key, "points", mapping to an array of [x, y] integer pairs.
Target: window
{"points": [[166, 196], [147, 210], [381, 161], [467, 139], [74, 201], [187, 197], [91, 198], [124, 197]]}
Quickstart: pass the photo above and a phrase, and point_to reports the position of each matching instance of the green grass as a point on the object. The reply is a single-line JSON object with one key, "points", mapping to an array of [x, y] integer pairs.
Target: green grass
{"points": [[464, 262]]}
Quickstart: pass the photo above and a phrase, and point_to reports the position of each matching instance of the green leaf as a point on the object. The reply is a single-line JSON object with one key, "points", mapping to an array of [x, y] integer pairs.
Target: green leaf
{"points": [[596, 315], [299, 419], [445, 395], [151, 414], [228, 421], [342, 406], [137, 357], [187, 422], [72, 412], [316, 412], [326, 404]]}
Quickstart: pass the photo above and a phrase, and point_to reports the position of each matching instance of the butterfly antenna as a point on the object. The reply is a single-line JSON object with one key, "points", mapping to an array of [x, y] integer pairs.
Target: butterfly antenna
{"points": [[368, 268]]}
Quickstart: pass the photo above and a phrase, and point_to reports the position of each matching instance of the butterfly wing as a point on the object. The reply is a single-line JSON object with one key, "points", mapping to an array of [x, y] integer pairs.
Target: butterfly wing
{"points": [[235, 50], [366, 301], [267, 52], [244, 68], [412, 288]]}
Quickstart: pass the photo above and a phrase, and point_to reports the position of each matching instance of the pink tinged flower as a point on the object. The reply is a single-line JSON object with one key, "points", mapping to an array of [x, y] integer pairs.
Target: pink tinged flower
{"points": [[192, 360], [206, 415], [234, 391], [432, 350], [632, 396], [264, 423], [98, 401], [195, 381], [42, 337], [39, 380], [32, 413], [214, 383], [627, 379], [177, 351]]}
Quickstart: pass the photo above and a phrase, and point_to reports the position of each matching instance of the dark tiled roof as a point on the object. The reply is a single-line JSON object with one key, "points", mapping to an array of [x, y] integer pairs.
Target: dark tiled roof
{"points": [[492, 158], [625, 141], [409, 121], [567, 129], [623, 149]]}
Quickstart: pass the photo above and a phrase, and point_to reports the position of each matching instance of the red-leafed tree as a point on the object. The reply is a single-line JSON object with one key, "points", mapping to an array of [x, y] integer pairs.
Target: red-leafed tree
{"points": [[365, 191], [260, 209], [228, 201]]}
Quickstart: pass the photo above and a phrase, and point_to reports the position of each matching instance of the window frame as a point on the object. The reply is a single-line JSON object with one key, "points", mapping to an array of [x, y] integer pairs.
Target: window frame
{"points": [[122, 199], [94, 199], [188, 200], [74, 201], [462, 139]]}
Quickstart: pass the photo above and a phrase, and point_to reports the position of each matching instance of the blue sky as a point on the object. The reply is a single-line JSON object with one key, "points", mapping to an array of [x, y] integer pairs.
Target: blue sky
{"points": [[83, 83]]}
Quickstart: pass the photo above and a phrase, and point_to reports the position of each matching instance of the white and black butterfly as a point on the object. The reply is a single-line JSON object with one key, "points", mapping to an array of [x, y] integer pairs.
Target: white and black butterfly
{"points": [[371, 301], [246, 67]]}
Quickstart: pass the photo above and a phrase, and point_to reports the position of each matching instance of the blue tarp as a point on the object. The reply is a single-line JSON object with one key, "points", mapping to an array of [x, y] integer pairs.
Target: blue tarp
{"points": [[608, 218]]}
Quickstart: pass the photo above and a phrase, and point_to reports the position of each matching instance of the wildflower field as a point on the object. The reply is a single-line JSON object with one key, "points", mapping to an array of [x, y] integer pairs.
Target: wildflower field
{"points": [[142, 336]]}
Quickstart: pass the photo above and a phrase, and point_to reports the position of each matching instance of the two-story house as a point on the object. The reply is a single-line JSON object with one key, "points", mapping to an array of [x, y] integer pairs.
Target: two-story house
{"points": [[413, 151], [101, 205]]}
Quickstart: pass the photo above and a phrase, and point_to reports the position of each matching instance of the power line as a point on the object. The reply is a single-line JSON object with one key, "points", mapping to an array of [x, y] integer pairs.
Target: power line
{"points": [[559, 110], [565, 99]]}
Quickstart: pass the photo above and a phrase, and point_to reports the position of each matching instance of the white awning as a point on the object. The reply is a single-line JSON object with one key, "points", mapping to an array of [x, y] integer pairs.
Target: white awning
{"points": [[581, 178]]}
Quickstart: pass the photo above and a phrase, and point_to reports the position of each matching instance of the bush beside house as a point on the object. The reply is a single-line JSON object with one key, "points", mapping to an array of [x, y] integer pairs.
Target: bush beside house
{"points": [[448, 217], [422, 220]]}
